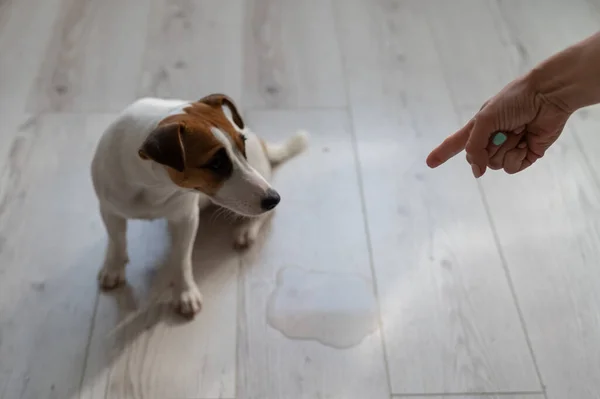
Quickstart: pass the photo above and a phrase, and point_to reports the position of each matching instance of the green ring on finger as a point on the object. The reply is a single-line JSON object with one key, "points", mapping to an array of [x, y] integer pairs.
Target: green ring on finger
{"points": [[500, 138]]}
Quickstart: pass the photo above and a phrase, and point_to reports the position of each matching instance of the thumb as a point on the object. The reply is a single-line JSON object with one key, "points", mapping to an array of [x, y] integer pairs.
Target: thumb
{"points": [[450, 147]]}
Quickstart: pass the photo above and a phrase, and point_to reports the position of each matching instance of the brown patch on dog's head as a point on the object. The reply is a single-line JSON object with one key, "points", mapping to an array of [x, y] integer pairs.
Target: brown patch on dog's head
{"points": [[185, 144]]}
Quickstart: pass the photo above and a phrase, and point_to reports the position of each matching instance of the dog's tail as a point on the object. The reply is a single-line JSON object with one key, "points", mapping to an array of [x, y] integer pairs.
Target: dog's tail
{"points": [[280, 152]]}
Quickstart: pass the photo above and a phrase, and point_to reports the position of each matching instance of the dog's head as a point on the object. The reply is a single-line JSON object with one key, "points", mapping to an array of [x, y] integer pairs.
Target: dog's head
{"points": [[204, 149]]}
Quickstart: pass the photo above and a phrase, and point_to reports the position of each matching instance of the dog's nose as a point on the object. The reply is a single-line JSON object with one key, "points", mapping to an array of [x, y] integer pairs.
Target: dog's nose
{"points": [[270, 200]]}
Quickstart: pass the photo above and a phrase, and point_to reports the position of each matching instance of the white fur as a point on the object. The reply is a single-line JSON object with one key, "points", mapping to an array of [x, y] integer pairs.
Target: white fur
{"points": [[131, 188], [243, 190]]}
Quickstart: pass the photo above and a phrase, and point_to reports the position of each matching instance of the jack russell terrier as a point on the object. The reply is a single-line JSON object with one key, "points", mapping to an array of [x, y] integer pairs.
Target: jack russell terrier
{"points": [[170, 158]]}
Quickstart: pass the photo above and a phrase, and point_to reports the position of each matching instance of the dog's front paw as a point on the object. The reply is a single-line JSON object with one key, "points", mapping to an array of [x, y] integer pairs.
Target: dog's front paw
{"points": [[245, 236], [188, 301], [110, 278]]}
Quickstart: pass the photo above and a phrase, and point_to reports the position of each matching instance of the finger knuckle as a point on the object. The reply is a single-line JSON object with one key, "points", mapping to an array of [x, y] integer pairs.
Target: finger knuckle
{"points": [[512, 169], [496, 163]]}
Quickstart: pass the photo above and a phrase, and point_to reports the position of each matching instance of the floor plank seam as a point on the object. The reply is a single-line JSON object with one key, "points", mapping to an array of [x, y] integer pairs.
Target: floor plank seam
{"points": [[512, 289], [117, 111], [359, 178], [86, 114], [297, 108], [240, 302], [467, 394], [89, 343]]}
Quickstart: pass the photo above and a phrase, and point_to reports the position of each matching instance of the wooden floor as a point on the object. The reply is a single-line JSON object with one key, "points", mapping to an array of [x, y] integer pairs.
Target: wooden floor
{"points": [[485, 289]]}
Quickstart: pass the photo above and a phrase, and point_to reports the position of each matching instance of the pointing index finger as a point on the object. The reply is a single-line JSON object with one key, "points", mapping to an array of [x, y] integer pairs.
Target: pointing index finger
{"points": [[450, 147]]}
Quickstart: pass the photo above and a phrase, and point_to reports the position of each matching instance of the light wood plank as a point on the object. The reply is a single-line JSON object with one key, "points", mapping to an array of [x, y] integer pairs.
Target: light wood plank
{"points": [[50, 245], [449, 319], [317, 228], [94, 57], [291, 55], [194, 48], [544, 217], [535, 396], [156, 354], [25, 29]]}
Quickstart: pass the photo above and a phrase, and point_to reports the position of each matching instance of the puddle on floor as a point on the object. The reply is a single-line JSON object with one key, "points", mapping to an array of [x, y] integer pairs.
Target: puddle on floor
{"points": [[335, 309]]}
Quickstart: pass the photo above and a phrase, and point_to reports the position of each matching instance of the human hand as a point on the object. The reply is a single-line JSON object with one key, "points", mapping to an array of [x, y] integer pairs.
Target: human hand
{"points": [[529, 120]]}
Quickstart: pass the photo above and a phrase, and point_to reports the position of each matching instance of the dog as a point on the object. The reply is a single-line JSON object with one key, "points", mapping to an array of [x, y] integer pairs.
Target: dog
{"points": [[171, 158]]}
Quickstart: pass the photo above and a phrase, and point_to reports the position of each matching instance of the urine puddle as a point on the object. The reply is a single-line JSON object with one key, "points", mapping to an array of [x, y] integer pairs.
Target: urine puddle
{"points": [[338, 310]]}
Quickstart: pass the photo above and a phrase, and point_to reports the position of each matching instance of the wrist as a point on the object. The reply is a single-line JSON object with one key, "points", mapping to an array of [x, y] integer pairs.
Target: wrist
{"points": [[570, 79]]}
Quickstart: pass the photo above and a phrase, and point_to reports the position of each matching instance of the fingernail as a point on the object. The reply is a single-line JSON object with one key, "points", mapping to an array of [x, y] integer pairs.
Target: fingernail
{"points": [[499, 138], [522, 145], [476, 171]]}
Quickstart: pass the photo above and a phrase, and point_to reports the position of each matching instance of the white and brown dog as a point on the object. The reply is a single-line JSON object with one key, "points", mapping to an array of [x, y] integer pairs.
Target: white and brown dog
{"points": [[168, 159]]}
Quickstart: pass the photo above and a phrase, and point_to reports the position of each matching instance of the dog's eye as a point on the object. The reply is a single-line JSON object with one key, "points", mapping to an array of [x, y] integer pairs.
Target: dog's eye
{"points": [[215, 164], [219, 163], [244, 138]]}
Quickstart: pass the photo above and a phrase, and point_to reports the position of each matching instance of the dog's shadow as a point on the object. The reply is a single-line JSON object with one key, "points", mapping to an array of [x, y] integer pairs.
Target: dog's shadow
{"points": [[143, 305]]}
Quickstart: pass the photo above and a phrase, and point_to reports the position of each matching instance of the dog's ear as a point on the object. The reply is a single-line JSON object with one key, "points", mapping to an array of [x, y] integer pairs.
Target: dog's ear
{"points": [[165, 146], [220, 100]]}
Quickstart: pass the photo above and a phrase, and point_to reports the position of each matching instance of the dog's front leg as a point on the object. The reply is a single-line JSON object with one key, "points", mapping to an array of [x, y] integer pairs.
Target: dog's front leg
{"points": [[112, 273], [246, 234], [186, 296]]}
